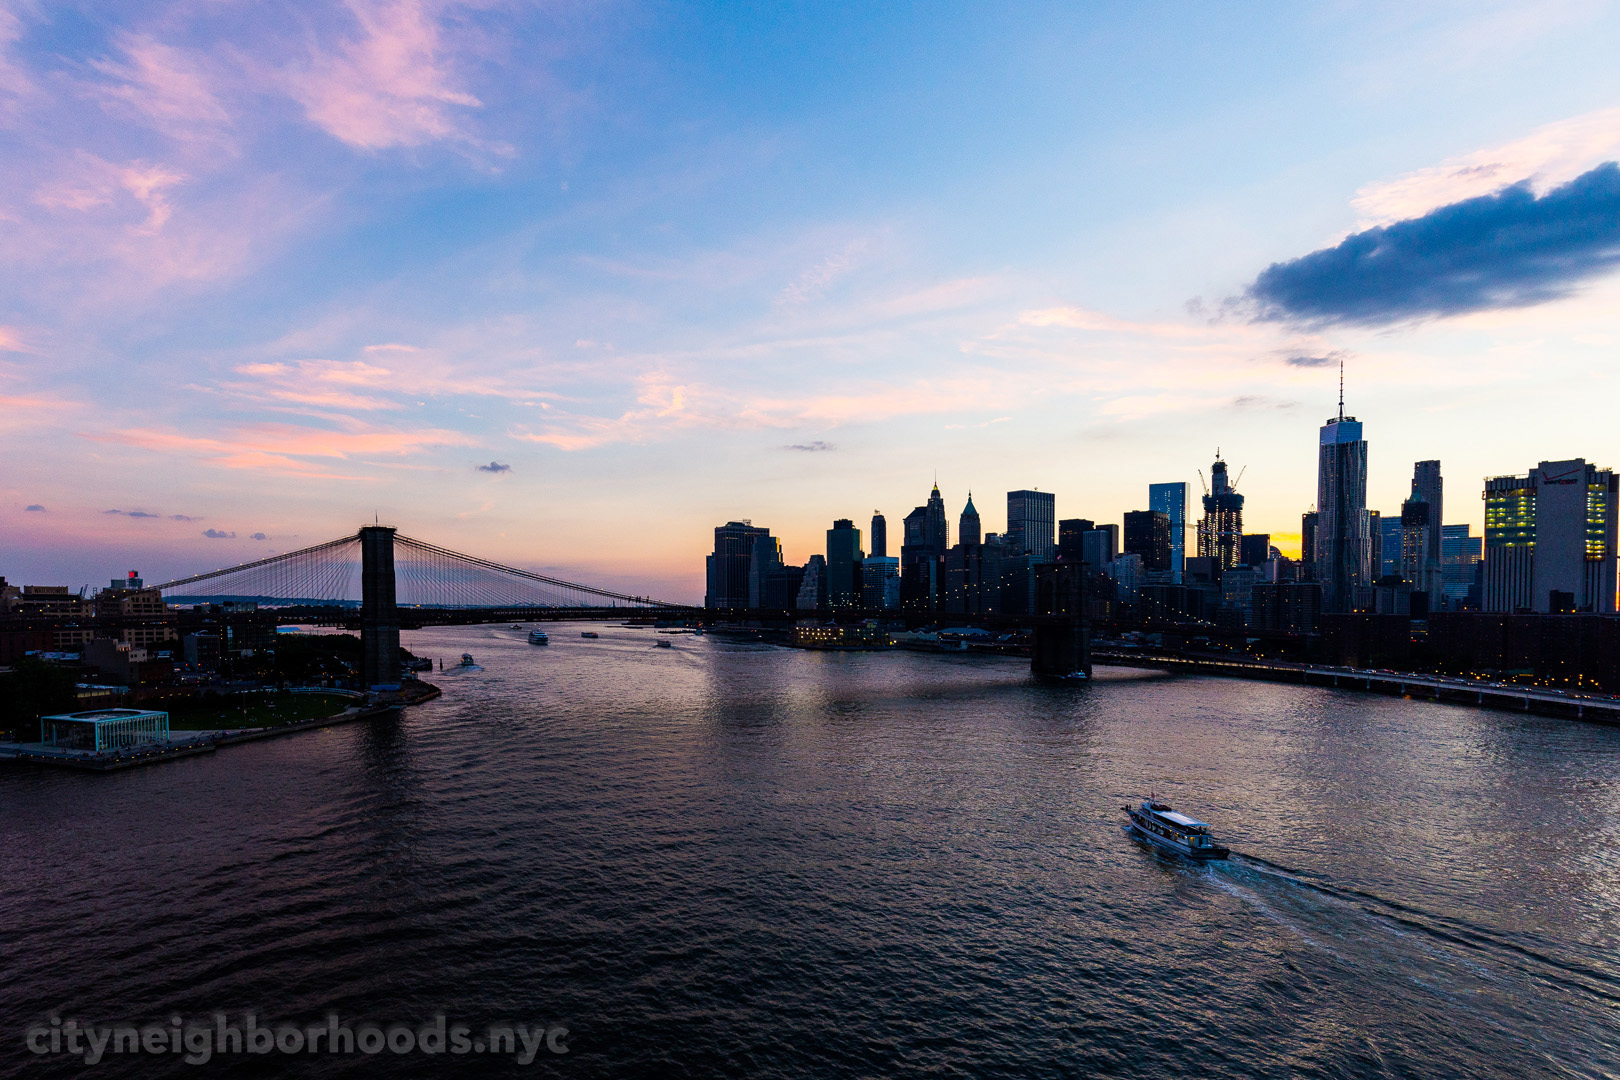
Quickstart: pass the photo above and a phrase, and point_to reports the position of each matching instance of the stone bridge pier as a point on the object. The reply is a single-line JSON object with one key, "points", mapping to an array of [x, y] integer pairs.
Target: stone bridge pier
{"points": [[1061, 644], [379, 615]]}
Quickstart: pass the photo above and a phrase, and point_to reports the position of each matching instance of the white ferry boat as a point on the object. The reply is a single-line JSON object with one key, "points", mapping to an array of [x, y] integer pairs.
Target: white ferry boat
{"points": [[1161, 826], [538, 637]]}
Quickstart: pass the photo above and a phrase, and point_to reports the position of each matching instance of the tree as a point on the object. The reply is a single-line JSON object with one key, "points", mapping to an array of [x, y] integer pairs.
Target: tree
{"points": [[34, 688]]}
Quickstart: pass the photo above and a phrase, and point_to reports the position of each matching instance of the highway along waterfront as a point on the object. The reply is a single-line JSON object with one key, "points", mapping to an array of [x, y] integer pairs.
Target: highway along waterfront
{"points": [[731, 859]]}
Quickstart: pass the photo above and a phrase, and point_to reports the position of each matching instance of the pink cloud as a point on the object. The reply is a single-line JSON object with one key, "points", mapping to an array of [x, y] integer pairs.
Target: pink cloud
{"points": [[278, 447], [165, 86], [390, 85]]}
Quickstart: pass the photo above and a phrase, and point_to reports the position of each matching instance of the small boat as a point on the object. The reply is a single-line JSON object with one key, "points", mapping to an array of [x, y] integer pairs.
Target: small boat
{"points": [[467, 660], [1161, 826], [664, 644], [538, 637], [589, 633]]}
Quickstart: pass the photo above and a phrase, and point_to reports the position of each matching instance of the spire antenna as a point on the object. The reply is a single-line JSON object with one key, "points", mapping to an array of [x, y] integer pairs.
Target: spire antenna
{"points": [[1341, 389]]}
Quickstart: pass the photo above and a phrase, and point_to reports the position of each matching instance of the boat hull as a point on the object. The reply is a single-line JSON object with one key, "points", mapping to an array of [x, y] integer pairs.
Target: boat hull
{"points": [[1209, 854]]}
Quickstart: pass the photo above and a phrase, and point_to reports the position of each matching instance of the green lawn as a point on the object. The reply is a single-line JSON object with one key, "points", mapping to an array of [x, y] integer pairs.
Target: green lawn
{"points": [[262, 711]]}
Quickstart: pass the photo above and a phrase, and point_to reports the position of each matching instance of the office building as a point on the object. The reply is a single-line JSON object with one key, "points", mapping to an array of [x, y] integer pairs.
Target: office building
{"points": [[1129, 574], [880, 582], [1459, 557], [974, 576], [1254, 549], [1550, 539], [880, 534], [1387, 545], [1148, 534], [922, 555], [1343, 547], [1430, 488], [1071, 539], [1171, 500], [844, 557], [1417, 569], [1375, 535], [1220, 530], [967, 532], [1307, 546], [1032, 524], [813, 585], [1100, 546], [1237, 591], [1290, 607], [727, 569], [766, 560], [779, 589]]}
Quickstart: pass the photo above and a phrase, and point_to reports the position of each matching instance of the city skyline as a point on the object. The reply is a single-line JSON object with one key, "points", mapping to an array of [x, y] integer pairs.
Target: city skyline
{"points": [[526, 280]]}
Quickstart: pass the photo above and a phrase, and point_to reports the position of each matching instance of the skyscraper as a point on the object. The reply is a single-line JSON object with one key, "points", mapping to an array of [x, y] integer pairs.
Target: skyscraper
{"points": [[1032, 523], [1071, 538], [1171, 499], [1415, 529], [1307, 545], [766, 561], [728, 567], [1343, 548], [880, 535], [968, 531], [1388, 546], [939, 527], [1459, 554], [1254, 549], [844, 557], [1428, 486], [1147, 534], [1550, 539], [1220, 530], [922, 555]]}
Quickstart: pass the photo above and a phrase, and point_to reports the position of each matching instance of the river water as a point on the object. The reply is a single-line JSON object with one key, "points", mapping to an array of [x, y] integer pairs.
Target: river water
{"points": [[728, 859]]}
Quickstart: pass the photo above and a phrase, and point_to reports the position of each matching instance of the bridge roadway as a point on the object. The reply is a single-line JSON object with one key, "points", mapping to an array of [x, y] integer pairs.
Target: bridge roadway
{"points": [[1455, 689], [414, 618]]}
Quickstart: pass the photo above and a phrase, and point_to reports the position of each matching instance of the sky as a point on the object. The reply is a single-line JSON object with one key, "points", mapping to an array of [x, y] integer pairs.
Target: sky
{"points": [[568, 285]]}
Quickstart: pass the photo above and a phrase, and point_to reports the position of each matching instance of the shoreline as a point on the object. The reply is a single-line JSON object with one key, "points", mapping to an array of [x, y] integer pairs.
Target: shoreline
{"points": [[1501, 697], [207, 743]]}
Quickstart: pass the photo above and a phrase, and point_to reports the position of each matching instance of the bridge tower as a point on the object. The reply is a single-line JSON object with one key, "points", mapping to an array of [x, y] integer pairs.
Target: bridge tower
{"points": [[1061, 644], [379, 617]]}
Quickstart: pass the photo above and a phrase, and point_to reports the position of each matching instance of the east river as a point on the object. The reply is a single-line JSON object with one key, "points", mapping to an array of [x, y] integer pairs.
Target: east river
{"points": [[728, 859]]}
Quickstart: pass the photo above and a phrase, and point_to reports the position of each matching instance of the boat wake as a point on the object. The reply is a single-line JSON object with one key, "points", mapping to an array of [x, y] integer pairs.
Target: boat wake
{"points": [[1413, 938]]}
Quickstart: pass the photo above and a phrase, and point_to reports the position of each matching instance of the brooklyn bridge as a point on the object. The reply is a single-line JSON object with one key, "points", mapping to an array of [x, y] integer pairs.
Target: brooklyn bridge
{"points": [[409, 583], [403, 582]]}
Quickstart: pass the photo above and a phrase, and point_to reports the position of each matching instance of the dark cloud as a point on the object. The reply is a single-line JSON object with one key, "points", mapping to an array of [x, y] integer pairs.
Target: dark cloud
{"points": [[215, 534], [813, 447], [258, 536], [182, 517], [1327, 360], [1510, 249], [131, 513], [493, 466], [35, 508]]}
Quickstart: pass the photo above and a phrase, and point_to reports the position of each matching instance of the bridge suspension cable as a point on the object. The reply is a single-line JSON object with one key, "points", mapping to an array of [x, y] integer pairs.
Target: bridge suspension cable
{"points": [[432, 576], [322, 574], [425, 575]]}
